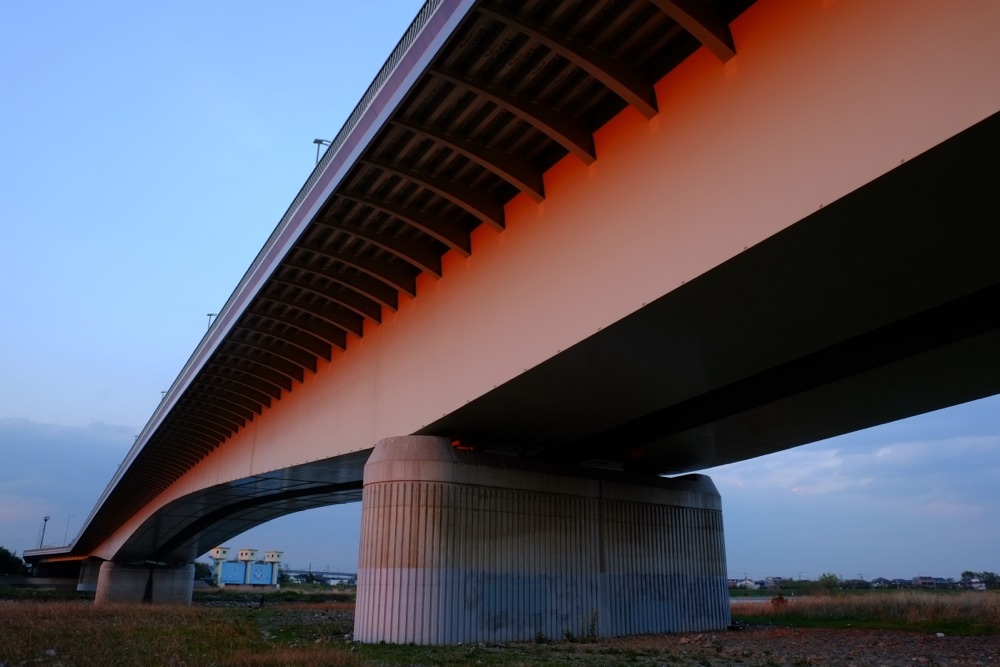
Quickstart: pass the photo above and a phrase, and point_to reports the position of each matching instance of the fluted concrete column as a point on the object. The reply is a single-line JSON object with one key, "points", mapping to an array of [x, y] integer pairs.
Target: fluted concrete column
{"points": [[457, 547], [157, 584], [89, 573]]}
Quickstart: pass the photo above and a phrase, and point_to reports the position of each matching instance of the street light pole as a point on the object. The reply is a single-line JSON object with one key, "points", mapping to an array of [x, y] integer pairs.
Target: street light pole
{"points": [[41, 540], [319, 143], [66, 534]]}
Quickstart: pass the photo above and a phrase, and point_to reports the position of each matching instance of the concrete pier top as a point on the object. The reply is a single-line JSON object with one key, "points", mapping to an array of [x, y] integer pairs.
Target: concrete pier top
{"points": [[426, 458]]}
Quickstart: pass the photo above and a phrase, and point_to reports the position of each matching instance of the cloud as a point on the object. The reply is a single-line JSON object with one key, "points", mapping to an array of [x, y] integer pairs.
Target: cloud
{"points": [[907, 469], [56, 471], [813, 471], [911, 497]]}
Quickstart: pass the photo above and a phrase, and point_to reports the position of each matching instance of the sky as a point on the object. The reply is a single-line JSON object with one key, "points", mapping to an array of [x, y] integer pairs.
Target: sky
{"points": [[147, 150]]}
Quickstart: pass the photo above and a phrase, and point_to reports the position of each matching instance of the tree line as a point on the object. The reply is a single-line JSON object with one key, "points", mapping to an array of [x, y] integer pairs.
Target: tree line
{"points": [[11, 565], [991, 579]]}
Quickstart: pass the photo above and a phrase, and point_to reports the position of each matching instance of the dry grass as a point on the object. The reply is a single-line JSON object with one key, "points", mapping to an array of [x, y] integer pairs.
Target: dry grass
{"points": [[965, 613], [79, 633], [82, 634], [309, 634], [295, 657]]}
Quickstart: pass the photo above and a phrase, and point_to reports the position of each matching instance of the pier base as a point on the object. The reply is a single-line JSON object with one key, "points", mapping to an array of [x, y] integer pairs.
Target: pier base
{"points": [[156, 584], [458, 547], [90, 572]]}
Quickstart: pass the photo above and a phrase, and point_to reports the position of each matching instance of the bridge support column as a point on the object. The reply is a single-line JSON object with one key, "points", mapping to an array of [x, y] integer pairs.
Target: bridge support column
{"points": [[157, 584], [458, 547], [89, 573]]}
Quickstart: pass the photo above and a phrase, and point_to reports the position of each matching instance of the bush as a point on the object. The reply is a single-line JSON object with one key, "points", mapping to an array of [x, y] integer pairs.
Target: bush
{"points": [[11, 565]]}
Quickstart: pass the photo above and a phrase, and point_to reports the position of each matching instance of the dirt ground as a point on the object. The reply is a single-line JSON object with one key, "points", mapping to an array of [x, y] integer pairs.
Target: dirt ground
{"points": [[752, 646], [800, 647]]}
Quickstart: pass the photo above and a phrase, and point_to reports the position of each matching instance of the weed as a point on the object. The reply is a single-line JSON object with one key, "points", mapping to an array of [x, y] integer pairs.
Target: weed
{"points": [[966, 613], [592, 627]]}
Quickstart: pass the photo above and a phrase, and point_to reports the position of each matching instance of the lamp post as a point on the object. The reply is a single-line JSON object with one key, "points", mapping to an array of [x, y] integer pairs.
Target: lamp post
{"points": [[319, 143], [41, 540], [210, 317], [66, 534]]}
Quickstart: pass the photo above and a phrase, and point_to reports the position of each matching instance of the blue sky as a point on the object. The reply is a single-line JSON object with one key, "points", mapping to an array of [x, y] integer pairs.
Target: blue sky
{"points": [[148, 150]]}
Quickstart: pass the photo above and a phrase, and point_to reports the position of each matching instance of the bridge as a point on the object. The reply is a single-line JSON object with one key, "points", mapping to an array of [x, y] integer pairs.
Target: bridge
{"points": [[562, 249]]}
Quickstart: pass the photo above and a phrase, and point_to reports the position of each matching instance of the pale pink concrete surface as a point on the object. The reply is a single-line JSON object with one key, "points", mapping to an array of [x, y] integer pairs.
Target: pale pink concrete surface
{"points": [[821, 98]]}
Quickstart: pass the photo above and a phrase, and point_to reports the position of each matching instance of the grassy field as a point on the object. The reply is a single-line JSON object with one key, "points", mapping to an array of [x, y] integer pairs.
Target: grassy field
{"points": [[311, 631], [955, 613]]}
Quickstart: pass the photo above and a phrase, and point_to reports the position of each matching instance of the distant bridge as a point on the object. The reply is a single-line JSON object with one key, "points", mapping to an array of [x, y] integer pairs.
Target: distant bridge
{"points": [[561, 248], [323, 573]]}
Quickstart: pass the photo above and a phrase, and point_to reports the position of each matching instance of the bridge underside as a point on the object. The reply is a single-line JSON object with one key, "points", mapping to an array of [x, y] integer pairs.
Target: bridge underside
{"points": [[798, 244], [186, 528], [879, 333], [878, 306]]}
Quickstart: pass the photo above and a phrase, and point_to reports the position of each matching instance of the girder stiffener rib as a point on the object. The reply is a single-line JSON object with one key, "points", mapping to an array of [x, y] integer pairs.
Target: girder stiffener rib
{"points": [[622, 80]]}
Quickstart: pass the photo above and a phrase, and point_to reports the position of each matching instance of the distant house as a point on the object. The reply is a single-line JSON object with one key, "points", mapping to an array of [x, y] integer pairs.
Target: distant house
{"points": [[972, 584], [924, 582], [882, 582], [774, 583]]}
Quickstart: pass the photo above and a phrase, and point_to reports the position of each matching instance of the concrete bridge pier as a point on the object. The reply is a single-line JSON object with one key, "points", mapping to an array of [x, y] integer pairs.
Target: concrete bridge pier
{"points": [[145, 582], [90, 572], [461, 547]]}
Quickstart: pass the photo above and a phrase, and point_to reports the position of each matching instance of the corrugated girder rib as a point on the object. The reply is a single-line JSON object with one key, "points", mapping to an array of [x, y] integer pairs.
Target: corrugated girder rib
{"points": [[703, 22], [336, 295], [238, 376], [517, 171], [305, 341], [625, 81], [419, 256], [477, 203], [570, 132]]}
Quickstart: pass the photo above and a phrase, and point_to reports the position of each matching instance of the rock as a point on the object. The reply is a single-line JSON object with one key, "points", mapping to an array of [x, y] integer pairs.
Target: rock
{"points": [[51, 653], [940, 634]]}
